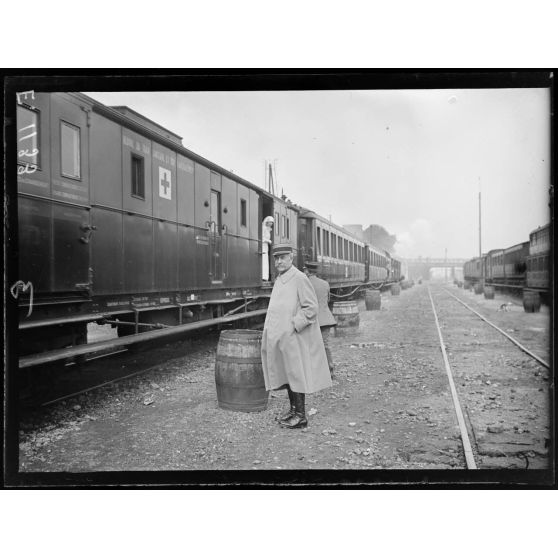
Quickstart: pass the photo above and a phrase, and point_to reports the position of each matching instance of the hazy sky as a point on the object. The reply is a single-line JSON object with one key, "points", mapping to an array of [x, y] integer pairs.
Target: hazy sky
{"points": [[407, 160]]}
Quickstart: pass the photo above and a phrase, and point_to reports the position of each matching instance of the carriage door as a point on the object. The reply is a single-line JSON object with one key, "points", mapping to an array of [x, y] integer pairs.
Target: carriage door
{"points": [[72, 230], [215, 237]]}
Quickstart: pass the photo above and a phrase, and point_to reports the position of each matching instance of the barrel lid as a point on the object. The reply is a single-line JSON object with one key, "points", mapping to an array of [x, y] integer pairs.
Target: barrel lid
{"points": [[241, 333]]}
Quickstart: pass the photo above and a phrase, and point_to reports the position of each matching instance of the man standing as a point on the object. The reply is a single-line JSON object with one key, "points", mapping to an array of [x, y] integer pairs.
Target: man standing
{"points": [[293, 354], [325, 317]]}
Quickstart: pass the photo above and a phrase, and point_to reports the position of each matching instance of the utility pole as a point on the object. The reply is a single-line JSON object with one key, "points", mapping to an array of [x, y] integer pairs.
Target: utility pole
{"points": [[271, 186]]}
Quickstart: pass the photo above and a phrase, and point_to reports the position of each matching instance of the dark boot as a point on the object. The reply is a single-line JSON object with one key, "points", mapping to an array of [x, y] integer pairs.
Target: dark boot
{"points": [[298, 420], [291, 412]]}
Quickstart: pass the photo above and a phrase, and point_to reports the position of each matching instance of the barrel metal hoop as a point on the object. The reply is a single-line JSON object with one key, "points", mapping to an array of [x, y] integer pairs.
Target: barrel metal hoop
{"points": [[239, 360]]}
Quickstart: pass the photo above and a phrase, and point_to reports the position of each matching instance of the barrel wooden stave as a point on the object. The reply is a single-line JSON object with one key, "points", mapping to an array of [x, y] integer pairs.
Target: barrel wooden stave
{"points": [[346, 313], [488, 292], [531, 301], [239, 376]]}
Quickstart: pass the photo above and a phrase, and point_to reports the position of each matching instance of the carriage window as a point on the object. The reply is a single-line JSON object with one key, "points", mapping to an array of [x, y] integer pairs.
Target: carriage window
{"points": [[334, 245], [69, 150], [215, 211], [242, 213], [138, 184], [288, 228], [326, 243], [283, 226], [340, 248], [319, 239], [277, 224], [27, 136]]}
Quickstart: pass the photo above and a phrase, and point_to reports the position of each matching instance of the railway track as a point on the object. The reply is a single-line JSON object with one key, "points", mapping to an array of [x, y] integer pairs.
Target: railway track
{"points": [[500, 330], [61, 383], [500, 417]]}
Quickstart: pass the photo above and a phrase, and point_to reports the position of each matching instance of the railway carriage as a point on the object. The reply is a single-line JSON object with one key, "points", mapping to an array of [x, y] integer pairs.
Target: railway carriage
{"points": [[538, 261], [472, 271], [515, 258], [494, 267], [118, 221], [523, 267], [121, 224], [345, 261], [340, 254]]}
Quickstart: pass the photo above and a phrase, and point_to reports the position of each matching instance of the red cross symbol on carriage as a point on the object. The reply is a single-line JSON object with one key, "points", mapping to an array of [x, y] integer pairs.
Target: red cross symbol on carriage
{"points": [[165, 188]]}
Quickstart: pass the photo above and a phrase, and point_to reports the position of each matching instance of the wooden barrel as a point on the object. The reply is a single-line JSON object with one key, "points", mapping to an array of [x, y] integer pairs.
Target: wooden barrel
{"points": [[466, 285], [238, 371], [405, 284], [531, 301], [489, 292], [478, 288], [395, 290], [372, 299], [346, 313]]}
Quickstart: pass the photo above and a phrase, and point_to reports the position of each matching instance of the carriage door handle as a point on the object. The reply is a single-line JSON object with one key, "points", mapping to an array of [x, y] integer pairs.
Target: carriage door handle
{"points": [[87, 229]]}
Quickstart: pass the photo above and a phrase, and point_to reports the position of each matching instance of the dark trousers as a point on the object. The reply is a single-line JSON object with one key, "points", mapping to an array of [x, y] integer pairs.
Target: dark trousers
{"points": [[325, 336]]}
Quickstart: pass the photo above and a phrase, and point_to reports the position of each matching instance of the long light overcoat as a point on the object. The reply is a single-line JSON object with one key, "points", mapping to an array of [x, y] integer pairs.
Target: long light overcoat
{"points": [[292, 347], [321, 288]]}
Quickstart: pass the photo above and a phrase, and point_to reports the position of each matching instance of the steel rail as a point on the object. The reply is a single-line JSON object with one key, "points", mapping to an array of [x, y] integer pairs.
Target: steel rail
{"points": [[69, 396], [469, 458], [514, 341], [59, 354]]}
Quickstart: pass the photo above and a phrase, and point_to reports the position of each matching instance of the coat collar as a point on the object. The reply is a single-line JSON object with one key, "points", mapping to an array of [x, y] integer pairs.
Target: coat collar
{"points": [[288, 275]]}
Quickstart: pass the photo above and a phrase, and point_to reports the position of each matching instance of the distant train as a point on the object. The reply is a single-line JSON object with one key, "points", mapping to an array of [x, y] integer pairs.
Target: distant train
{"points": [[523, 268], [120, 224]]}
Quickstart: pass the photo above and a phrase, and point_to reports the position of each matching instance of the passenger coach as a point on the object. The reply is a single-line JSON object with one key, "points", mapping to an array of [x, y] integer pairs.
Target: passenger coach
{"points": [[523, 268]]}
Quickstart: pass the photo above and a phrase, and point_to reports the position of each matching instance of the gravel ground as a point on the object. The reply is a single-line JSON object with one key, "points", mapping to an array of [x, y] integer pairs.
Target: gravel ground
{"points": [[390, 406]]}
